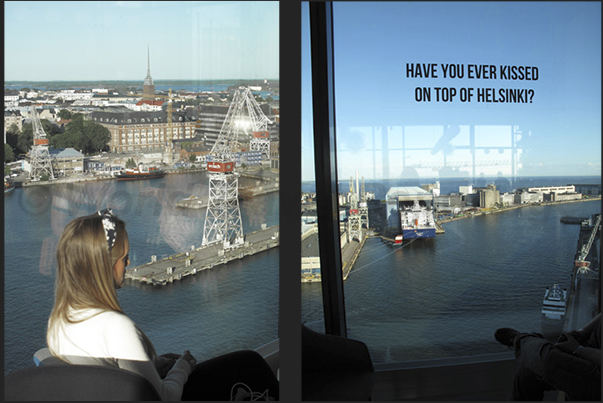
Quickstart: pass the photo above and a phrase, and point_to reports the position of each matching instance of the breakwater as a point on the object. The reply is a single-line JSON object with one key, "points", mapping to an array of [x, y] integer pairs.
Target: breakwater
{"points": [[178, 266]]}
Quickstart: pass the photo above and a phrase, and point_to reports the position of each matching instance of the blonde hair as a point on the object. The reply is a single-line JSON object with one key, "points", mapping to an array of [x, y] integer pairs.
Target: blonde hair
{"points": [[85, 272]]}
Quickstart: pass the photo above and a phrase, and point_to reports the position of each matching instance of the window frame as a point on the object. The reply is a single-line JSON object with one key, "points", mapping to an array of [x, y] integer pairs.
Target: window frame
{"points": [[325, 157]]}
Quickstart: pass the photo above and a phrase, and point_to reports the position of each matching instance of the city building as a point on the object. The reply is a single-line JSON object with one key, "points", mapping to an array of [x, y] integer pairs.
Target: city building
{"points": [[528, 197], [488, 196], [588, 190], [144, 131], [274, 155], [449, 203], [465, 190], [66, 161], [13, 118], [186, 148], [552, 196], [551, 189], [211, 118]]}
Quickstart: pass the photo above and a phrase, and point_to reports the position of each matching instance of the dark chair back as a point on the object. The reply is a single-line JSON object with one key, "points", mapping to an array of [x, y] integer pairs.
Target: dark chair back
{"points": [[335, 368], [77, 382]]}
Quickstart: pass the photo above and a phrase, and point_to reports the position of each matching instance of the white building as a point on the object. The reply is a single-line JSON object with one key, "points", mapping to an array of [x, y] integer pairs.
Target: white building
{"points": [[466, 190], [553, 189]]}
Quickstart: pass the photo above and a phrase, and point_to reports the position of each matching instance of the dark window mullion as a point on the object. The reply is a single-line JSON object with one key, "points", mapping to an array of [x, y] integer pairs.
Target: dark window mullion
{"points": [[325, 155]]}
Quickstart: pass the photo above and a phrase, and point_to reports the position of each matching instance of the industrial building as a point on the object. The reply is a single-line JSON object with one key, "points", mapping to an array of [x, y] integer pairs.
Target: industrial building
{"points": [[488, 196], [588, 190], [66, 161], [211, 118]]}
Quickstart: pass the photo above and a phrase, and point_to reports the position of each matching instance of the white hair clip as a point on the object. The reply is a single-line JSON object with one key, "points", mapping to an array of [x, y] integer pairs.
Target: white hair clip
{"points": [[109, 226]]}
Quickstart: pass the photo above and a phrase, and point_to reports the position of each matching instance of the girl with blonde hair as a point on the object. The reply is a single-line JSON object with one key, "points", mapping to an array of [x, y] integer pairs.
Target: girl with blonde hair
{"points": [[87, 325]]}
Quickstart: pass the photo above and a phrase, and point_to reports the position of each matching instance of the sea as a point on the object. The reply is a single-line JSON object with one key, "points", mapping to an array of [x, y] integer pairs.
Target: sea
{"points": [[446, 296], [216, 311]]}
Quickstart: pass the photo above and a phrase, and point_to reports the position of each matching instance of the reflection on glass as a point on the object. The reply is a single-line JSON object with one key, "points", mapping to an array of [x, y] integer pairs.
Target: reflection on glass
{"points": [[191, 77], [427, 297]]}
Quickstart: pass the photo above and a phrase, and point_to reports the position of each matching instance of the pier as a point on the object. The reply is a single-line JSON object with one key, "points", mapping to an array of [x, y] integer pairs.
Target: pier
{"points": [[178, 266]]}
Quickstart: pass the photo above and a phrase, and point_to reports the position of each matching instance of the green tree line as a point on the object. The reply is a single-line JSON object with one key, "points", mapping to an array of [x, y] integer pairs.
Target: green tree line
{"points": [[80, 134]]}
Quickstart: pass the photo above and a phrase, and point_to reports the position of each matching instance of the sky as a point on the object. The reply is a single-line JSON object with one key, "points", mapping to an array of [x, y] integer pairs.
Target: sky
{"points": [[102, 40], [386, 129]]}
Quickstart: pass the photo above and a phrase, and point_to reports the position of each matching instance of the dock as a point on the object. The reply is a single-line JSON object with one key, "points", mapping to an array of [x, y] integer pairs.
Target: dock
{"points": [[178, 266]]}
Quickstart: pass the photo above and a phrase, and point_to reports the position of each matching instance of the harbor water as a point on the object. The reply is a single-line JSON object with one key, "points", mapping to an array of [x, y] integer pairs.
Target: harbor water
{"points": [[214, 312], [445, 296]]}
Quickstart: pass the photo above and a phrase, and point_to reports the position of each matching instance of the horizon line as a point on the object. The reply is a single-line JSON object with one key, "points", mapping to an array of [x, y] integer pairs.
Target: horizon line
{"points": [[466, 177], [137, 79]]}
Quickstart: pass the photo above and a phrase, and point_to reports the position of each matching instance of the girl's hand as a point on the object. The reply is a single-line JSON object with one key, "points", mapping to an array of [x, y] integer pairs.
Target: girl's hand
{"points": [[188, 357]]}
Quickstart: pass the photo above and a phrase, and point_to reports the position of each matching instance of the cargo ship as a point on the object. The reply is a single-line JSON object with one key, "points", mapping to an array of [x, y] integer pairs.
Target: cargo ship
{"points": [[409, 214], [140, 173], [553, 310], [417, 221]]}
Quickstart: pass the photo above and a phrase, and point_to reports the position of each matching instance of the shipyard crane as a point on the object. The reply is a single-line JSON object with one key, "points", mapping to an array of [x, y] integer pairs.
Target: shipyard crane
{"points": [[39, 155], [259, 127], [581, 264], [223, 217]]}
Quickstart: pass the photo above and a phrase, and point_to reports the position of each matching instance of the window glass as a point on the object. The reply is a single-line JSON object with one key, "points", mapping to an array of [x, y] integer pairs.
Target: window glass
{"points": [[462, 107], [216, 48]]}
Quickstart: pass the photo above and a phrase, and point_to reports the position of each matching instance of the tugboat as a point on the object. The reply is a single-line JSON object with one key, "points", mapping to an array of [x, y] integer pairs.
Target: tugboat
{"points": [[139, 173], [9, 186], [553, 310]]}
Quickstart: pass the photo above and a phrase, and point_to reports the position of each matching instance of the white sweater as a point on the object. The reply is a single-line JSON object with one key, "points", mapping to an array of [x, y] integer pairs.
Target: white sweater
{"points": [[112, 339]]}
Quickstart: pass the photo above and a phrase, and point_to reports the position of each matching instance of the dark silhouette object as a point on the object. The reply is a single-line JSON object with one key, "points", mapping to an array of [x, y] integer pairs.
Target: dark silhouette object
{"points": [[572, 365], [77, 383], [212, 380], [335, 368]]}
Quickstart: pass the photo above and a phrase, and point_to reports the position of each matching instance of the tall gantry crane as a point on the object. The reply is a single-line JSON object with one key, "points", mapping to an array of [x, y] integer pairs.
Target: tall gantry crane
{"points": [[261, 136], [39, 155], [581, 264], [223, 217]]}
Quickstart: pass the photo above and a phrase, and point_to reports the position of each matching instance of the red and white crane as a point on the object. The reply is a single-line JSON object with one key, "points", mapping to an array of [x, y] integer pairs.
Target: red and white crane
{"points": [[223, 217]]}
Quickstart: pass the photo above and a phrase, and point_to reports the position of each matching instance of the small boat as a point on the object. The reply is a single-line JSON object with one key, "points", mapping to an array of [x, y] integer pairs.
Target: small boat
{"points": [[193, 202], [9, 186], [139, 173]]}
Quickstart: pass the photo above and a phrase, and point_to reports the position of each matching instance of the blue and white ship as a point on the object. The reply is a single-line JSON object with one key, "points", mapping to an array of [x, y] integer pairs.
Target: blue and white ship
{"points": [[553, 310], [410, 213], [417, 221]]}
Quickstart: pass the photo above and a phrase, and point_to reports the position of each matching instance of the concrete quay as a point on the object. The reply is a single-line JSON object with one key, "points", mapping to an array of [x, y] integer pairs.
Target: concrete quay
{"points": [[175, 267]]}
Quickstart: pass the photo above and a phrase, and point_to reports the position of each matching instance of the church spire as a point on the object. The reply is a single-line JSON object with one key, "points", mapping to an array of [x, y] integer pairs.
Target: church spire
{"points": [[148, 88], [149, 61]]}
